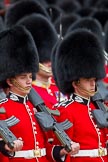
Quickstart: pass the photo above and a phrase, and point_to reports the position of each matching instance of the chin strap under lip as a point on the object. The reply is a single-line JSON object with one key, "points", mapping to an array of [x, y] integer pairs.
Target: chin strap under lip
{"points": [[44, 68], [17, 84]]}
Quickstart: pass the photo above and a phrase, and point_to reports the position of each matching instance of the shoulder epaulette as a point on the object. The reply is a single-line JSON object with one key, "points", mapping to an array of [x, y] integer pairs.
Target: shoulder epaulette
{"points": [[64, 103], [3, 100]]}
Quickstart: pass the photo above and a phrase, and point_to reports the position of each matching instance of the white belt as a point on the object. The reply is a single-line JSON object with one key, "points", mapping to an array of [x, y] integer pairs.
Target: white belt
{"points": [[29, 154], [91, 153]]}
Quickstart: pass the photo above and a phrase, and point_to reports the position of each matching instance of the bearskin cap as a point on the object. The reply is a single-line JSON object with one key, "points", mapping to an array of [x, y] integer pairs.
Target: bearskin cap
{"points": [[65, 21], [101, 15], [79, 54], [44, 34], [21, 9], [18, 53], [69, 6], [89, 23]]}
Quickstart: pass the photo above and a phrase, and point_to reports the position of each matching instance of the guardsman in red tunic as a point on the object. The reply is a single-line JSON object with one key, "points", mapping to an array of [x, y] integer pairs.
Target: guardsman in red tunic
{"points": [[18, 61], [45, 37], [79, 64]]}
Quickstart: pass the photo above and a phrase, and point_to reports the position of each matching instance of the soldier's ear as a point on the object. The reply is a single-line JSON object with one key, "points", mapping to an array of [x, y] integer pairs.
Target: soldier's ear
{"points": [[9, 82], [74, 84]]}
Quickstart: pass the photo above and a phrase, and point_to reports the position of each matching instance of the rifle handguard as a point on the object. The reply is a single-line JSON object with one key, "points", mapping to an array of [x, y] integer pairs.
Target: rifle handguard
{"points": [[5, 133], [48, 123]]}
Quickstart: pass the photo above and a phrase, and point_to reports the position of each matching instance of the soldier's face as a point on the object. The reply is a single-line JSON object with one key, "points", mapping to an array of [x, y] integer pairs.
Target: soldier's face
{"points": [[21, 84], [45, 70], [85, 87]]}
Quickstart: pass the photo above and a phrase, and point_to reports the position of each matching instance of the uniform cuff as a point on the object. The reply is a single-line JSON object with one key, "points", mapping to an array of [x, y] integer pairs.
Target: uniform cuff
{"points": [[56, 153], [4, 151]]}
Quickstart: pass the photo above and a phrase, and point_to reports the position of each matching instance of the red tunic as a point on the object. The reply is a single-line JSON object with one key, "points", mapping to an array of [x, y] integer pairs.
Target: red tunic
{"points": [[49, 93], [84, 130], [54, 91], [44, 92], [105, 80], [28, 128]]}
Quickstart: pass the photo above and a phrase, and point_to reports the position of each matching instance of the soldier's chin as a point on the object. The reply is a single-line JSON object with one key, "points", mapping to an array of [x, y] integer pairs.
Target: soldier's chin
{"points": [[92, 93], [27, 89]]}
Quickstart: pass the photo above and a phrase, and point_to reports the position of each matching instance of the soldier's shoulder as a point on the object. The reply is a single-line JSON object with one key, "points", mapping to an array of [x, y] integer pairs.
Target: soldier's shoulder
{"points": [[4, 100], [64, 103]]}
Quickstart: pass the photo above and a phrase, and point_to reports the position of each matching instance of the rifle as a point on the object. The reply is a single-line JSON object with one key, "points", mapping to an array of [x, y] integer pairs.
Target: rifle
{"points": [[5, 133], [48, 122], [100, 114]]}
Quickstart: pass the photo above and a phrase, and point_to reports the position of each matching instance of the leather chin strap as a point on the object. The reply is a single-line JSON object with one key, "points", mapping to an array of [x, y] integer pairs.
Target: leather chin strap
{"points": [[45, 69], [15, 83], [90, 93]]}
